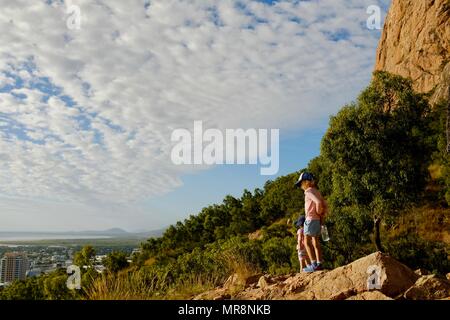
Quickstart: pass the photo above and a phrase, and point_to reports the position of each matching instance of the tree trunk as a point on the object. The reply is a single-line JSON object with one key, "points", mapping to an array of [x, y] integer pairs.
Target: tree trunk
{"points": [[448, 122], [376, 231]]}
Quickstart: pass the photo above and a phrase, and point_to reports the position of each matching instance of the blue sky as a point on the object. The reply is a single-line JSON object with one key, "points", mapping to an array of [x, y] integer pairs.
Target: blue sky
{"points": [[86, 114], [211, 186]]}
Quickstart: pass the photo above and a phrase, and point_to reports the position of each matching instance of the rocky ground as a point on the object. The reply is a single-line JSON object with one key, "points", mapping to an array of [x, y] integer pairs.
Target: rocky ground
{"points": [[390, 281]]}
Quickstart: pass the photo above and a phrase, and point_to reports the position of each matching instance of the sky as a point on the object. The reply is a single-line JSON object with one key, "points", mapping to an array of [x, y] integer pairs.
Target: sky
{"points": [[88, 105]]}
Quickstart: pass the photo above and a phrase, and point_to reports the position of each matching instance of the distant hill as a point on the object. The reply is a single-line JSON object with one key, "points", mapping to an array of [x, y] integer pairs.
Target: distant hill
{"points": [[109, 233]]}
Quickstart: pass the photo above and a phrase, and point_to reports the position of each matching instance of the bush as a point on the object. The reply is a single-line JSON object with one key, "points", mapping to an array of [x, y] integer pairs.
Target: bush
{"points": [[278, 254], [418, 253]]}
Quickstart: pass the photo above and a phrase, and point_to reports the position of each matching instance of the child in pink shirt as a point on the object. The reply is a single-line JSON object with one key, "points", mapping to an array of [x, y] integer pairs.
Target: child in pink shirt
{"points": [[315, 210]]}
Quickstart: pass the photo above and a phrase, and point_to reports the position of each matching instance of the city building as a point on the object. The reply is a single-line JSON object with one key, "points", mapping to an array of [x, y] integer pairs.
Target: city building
{"points": [[13, 266]]}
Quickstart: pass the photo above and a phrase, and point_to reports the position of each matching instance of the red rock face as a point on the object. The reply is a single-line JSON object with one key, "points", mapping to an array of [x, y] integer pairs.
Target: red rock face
{"points": [[416, 41]]}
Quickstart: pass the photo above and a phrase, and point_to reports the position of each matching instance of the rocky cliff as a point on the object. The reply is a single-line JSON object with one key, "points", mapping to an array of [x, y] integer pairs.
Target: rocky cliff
{"points": [[415, 43], [374, 277]]}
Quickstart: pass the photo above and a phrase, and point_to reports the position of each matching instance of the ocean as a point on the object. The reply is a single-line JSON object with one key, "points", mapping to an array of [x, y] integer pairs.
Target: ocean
{"points": [[36, 237]]}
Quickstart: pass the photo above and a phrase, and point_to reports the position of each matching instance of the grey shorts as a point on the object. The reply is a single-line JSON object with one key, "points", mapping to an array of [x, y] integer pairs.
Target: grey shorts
{"points": [[312, 228]]}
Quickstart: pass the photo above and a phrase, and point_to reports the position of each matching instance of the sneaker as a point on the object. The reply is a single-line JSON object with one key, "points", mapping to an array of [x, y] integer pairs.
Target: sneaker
{"points": [[309, 268], [318, 267]]}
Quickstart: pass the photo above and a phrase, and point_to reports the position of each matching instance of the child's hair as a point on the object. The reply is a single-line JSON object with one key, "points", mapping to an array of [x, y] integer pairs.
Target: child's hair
{"points": [[310, 183], [300, 222]]}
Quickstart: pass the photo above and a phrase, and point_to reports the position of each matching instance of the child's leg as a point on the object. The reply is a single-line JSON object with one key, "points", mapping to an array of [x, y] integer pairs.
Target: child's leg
{"points": [[302, 263], [310, 248], [307, 261], [300, 260], [317, 249]]}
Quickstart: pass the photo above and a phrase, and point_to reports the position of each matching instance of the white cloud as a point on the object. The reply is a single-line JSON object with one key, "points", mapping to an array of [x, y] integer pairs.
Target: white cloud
{"points": [[134, 73]]}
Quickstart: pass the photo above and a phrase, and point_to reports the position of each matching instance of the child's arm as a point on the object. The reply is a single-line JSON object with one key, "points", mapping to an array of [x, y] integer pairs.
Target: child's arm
{"points": [[318, 202]]}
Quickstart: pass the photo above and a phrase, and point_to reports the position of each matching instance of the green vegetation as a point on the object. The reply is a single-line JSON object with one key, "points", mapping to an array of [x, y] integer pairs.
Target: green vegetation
{"points": [[116, 261], [50, 286], [84, 257], [375, 156], [384, 170]]}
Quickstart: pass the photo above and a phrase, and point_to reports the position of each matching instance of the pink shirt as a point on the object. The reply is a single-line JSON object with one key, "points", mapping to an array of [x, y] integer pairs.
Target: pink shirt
{"points": [[314, 203]]}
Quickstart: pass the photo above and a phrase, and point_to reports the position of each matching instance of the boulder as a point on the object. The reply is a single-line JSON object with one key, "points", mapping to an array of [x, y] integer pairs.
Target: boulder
{"points": [[236, 281], [392, 278], [264, 282], [253, 279], [216, 294], [422, 272], [224, 296], [374, 277], [429, 287], [370, 295], [232, 281]]}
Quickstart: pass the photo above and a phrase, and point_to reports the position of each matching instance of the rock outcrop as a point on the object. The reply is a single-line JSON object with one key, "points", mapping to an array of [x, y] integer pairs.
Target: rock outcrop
{"points": [[374, 277], [415, 43], [442, 90], [370, 295], [429, 288]]}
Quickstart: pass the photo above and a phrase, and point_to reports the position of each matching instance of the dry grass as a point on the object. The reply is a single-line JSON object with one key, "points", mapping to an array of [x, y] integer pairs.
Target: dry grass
{"points": [[122, 286], [193, 285], [137, 286], [432, 224], [240, 268]]}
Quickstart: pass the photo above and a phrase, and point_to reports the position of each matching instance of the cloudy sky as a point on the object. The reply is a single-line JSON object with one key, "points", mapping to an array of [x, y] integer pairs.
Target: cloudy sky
{"points": [[86, 114]]}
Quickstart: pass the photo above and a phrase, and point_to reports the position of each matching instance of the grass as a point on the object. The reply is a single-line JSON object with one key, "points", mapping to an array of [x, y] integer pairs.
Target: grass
{"points": [[193, 285], [239, 267], [427, 222], [145, 284], [122, 286], [138, 285]]}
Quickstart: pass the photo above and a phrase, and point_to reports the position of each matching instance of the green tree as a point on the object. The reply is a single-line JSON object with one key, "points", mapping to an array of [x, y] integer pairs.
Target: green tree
{"points": [[376, 150], [116, 261], [55, 286], [281, 199], [440, 168], [30, 289], [84, 257], [51, 286], [277, 253]]}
